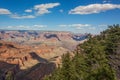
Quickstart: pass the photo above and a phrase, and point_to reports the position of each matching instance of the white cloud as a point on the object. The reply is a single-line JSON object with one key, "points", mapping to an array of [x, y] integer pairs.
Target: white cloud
{"points": [[39, 26], [19, 27], [61, 10], [24, 27], [77, 26], [93, 8], [4, 11], [81, 28], [28, 10], [103, 25], [16, 16], [43, 8], [37, 9], [92, 28], [22, 17], [106, 1], [63, 25]]}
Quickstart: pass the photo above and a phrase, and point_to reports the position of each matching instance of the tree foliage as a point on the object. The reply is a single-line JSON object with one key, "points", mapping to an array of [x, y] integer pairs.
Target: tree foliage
{"points": [[9, 76], [91, 60]]}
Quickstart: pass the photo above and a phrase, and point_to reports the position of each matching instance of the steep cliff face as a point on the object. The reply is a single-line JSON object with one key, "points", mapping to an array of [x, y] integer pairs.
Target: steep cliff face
{"points": [[27, 56], [37, 72], [6, 67], [23, 62], [13, 54]]}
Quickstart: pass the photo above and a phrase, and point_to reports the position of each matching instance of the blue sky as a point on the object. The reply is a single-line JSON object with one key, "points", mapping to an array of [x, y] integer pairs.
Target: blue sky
{"points": [[82, 16]]}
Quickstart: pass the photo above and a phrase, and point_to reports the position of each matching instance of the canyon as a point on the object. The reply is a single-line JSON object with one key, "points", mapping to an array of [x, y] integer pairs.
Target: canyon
{"points": [[33, 54]]}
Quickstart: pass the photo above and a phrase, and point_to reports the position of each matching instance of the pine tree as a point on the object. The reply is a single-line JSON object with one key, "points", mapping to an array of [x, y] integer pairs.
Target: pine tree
{"points": [[91, 60], [9, 76]]}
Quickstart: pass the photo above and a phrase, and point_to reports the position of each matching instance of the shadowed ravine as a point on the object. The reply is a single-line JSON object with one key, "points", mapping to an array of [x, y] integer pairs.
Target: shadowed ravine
{"points": [[36, 72]]}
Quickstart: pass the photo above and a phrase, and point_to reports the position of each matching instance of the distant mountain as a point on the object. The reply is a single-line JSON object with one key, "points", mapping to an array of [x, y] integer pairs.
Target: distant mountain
{"points": [[19, 36], [57, 38]]}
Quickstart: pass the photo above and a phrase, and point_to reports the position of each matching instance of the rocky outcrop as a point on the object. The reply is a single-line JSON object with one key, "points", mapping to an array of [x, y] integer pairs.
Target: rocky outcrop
{"points": [[23, 63], [5, 68], [37, 72], [26, 56]]}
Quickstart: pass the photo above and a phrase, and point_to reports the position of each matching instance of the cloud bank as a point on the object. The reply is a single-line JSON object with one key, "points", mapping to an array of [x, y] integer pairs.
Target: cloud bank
{"points": [[24, 27], [43, 8], [75, 25], [39, 9], [28, 10], [93, 8], [21, 17], [4, 11]]}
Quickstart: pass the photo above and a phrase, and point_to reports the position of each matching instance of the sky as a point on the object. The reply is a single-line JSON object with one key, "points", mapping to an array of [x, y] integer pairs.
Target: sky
{"points": [[78, 16]]}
